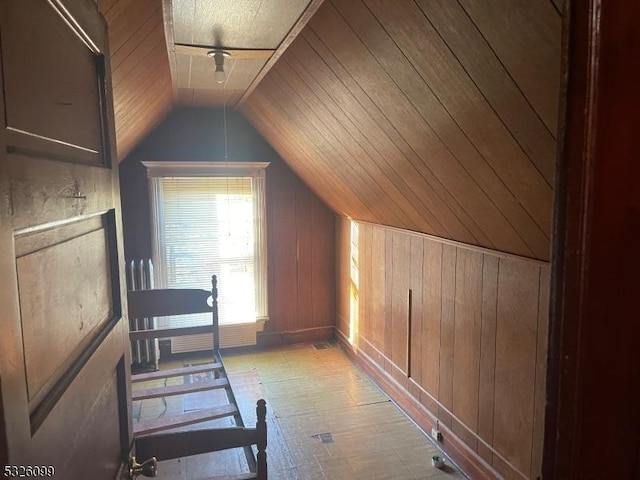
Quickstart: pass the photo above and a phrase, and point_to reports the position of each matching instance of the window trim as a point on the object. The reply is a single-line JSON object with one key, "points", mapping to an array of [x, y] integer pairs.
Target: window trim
{"points": [[205, 169]]}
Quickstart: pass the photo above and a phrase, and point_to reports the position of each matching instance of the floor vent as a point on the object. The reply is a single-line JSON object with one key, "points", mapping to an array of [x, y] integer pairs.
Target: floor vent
{"points": [[323, 437], [322, 346]]}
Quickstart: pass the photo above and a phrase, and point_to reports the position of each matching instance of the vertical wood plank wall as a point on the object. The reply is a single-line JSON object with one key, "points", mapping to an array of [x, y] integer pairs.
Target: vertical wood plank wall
{"points": [[300, 243], [300, 227], [457, 335], [141, 79]]}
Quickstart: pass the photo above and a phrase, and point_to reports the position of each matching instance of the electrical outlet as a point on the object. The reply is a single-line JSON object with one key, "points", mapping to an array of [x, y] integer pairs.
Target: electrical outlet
{"points": [[436, 435]]}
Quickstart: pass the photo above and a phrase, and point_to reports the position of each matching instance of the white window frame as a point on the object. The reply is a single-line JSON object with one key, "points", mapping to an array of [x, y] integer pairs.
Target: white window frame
{"points": [[233, 334]]}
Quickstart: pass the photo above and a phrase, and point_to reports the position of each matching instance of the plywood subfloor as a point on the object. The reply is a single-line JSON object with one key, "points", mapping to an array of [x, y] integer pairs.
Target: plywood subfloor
{"points": [[326, 420]]}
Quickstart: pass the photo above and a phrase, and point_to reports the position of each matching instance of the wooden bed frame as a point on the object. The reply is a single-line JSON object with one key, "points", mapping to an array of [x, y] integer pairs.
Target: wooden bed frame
{"points": [[151, 438]]}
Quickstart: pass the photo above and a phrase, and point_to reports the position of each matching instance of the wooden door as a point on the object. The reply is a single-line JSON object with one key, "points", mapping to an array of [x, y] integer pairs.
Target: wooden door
{"points": [[592, 426], [63, 342]]}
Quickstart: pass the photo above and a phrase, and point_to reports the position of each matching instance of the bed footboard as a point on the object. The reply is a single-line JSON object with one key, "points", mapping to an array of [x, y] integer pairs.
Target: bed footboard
{"points": [[167, 446]]}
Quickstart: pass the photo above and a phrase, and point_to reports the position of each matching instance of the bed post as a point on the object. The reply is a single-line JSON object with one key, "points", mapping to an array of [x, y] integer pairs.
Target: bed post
{"points": [[214, 313], [261, 443]]}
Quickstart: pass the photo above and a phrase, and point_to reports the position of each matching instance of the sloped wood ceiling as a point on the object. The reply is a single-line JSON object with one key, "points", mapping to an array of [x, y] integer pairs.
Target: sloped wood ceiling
{"points": [[142, 90], [437, 116]]}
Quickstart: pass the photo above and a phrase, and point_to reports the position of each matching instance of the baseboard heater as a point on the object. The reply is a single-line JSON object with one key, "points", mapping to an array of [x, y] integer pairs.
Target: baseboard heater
{"points": [[232, 335]]}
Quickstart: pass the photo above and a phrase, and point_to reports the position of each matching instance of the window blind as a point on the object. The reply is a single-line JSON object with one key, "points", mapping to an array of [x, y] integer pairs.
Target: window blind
{"points": [[206, 226]]}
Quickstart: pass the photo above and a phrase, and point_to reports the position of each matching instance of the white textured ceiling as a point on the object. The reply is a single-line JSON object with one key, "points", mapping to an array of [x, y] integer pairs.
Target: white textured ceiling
{"points": [[227, 24]]}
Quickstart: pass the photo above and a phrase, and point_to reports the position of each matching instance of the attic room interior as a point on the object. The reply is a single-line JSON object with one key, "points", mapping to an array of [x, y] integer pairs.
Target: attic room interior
{"points": [[440, 193]]}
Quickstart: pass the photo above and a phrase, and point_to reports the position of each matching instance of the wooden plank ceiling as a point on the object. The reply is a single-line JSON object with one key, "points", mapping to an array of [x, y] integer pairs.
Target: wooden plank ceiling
{"points": [[142, 90], [437, 116]]}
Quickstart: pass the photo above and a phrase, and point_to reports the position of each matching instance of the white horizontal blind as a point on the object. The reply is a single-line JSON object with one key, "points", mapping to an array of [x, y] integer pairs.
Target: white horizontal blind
{"points": [[207, 227]]}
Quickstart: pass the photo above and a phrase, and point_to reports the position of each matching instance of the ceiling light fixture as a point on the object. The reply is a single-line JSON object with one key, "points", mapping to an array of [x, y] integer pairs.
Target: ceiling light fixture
{"points": [[218, 56]]}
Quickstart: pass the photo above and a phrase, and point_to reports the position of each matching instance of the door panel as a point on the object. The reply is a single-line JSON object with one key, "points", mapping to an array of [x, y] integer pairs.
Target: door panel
{"points": [[89, 446], [57, 327], [58, 83], [64, 348], [45, 191]]}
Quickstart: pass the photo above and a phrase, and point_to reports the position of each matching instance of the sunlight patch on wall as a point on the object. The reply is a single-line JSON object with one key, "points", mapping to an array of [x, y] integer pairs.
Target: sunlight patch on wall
{"points": [[354, 311]]}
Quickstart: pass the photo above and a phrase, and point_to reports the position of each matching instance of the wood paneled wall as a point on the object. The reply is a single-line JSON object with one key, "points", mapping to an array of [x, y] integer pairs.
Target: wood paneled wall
{"points": [[300, 235], [301, 242], [460, 335], [142, 90], [436, 116]]}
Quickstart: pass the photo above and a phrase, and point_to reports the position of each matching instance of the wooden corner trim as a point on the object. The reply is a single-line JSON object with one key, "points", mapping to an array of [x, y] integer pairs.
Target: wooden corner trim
{"points": [[288, 39], [167, 15]]}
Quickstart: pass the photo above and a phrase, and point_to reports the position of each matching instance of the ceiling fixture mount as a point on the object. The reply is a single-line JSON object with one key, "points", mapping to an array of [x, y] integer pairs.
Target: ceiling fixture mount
{"points": [[219, 55]]}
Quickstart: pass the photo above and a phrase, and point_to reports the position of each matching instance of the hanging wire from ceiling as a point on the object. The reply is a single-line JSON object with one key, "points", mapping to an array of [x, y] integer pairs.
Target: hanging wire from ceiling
{"points": [[226, 155], [220, 77], [224, 115]]}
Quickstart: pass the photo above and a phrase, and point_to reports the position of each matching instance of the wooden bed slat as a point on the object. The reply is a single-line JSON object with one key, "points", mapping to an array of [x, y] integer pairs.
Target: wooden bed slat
{"points": [[181, 420], [179, 389], [166, 446], [175, 372]]}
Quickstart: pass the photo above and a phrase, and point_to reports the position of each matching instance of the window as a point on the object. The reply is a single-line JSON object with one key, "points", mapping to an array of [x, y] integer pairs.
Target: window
{"points": [[209, 218]]}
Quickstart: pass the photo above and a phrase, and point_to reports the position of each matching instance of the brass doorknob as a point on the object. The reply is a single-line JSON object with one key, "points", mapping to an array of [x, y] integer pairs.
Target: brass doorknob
{"points": [[148, 468]]}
